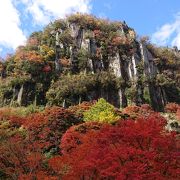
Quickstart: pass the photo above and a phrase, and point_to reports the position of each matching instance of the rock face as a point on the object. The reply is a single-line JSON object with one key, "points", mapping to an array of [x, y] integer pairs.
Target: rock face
{"points": [[93, 46], [19, 98], [150, 71], [122, 66], [115, 65]]}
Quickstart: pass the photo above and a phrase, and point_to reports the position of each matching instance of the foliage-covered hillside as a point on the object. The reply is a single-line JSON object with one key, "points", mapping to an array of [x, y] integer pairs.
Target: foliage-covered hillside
{"points": [[83, 58]]}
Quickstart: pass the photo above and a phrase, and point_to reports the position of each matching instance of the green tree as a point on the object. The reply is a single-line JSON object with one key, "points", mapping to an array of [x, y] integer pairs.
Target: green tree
{"points": [[102, 111]]}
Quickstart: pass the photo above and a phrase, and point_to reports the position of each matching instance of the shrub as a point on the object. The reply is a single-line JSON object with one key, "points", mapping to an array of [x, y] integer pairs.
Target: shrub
{"points": [[75, 135], [172, 107], [178, 114], [20, 111], [16, 158], [81, 108], [102, 112], [46, 128], [139, 111]]}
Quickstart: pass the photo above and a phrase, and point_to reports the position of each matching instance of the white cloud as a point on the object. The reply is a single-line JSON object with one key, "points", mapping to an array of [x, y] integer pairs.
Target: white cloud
{"points": [[176, 40], [169, 33], [11, 34], [43, 11]]}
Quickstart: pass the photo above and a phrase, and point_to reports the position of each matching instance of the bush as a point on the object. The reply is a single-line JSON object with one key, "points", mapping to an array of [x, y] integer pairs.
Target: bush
{"points": [[139, 111], [178, 114], [18, 159], [172, 107], [75, 135], [20, 111], [102, 112], [81, 108], [46, 128]]}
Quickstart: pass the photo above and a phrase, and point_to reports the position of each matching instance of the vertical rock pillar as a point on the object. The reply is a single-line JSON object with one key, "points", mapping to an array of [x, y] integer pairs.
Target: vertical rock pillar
{"points": [[151, 71]]}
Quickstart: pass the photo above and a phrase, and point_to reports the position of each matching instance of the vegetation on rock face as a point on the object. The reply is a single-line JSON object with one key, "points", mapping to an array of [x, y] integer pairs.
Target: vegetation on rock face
{"points": [[168, 63], [73, 89], [95, 60]]}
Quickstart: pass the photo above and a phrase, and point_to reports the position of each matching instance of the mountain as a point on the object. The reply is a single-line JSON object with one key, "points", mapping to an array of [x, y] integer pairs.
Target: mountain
{"points": [[84, 58]]}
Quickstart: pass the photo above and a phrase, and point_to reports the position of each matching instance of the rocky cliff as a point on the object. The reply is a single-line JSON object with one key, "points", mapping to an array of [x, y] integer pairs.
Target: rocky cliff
{"points": [[85, 58]]}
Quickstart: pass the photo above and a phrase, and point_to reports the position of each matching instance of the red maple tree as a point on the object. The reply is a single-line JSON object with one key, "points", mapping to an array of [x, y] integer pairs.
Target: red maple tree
{"points": [[138, 149]]}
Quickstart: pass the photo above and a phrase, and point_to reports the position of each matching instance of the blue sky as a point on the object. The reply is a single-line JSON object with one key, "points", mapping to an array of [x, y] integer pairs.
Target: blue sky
{"points": [[159, 19]]}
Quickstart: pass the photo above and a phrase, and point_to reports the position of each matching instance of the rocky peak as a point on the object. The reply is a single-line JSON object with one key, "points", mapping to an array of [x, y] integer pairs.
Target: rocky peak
{"points": [[85, 44]]}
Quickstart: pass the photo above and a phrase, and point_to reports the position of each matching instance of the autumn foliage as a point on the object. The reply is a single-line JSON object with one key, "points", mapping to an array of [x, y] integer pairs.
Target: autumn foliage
{"points": [[56, 144], [102, 112], [81, 108], [172, 107], [76, 135], [46, 128], [84, 58], [19, 159], [131, 150], [144, 110]]}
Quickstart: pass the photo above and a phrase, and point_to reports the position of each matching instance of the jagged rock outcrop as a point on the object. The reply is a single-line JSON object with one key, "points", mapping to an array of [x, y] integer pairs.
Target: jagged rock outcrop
{"points": [[85, 44]]}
